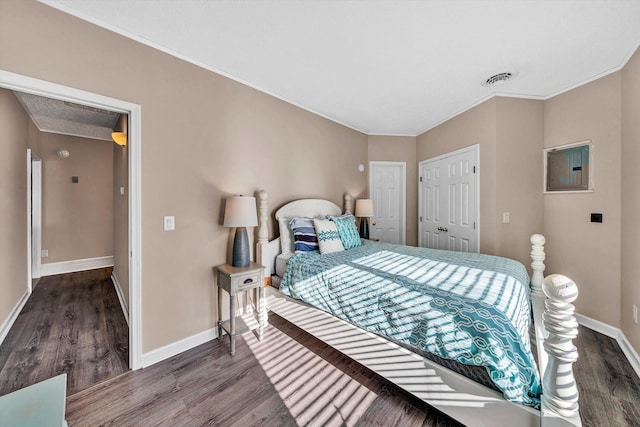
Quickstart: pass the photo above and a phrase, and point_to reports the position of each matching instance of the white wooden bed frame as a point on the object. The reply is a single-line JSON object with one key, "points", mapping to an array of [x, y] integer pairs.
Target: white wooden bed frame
{"points": [[471, 403]]}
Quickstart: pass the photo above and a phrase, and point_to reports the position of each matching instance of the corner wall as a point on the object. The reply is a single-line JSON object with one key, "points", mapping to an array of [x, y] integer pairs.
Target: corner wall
{"points": [[77, 218], [588, 253], [476, 126], [509, 132], [630, 247], [519, 139], [400, 149], [13, 203]]}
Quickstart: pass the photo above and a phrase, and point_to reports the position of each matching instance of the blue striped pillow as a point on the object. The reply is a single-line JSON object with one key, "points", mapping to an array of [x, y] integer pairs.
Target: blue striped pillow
{"points": [[304, 235], [349, 235]]}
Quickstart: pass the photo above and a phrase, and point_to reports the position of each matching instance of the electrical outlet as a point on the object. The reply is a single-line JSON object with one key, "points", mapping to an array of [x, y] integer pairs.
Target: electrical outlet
{"points": [[169, 223], [635, 313], [44, 253]]}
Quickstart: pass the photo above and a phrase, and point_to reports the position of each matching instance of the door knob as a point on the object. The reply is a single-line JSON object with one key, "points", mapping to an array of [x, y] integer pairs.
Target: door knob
{"points": [[373, 223]]}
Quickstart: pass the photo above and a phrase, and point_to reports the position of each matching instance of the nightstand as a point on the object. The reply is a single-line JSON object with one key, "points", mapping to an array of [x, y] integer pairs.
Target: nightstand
{"points": [[235, 280]]}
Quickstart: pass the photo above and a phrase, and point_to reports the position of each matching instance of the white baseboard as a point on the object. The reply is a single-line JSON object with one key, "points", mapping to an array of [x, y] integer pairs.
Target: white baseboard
{"points": [[170, 350], [615, 333], [8, 323], [630, 352], [75, 265], [598, 326], [123, 302]]}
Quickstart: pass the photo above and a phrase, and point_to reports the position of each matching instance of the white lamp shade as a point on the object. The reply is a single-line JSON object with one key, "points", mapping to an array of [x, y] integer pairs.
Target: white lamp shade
{"points": [[364, 208], [240, 211]]}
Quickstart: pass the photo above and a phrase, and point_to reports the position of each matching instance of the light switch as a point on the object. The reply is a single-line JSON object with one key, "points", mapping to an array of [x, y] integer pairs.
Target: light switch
{"points": [[506, 217], [122, 191], [169, 223]]}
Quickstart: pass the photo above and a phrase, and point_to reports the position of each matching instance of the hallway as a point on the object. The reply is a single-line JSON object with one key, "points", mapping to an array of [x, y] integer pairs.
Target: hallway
{"points": [[72, 324]]}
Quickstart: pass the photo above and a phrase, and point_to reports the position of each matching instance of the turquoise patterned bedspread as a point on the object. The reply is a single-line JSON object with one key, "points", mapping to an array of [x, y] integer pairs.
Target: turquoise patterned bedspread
{"points": [[472, 308]]}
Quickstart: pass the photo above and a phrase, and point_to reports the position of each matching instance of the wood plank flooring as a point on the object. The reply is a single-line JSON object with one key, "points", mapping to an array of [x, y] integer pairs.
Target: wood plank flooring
{"points": [[291, 378], [288, 379], [609, 387], [72, 324]]}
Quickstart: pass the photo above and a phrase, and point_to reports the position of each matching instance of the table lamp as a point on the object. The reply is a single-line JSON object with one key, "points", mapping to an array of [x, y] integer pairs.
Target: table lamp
{"points": [[240, 212], [364, 210]]}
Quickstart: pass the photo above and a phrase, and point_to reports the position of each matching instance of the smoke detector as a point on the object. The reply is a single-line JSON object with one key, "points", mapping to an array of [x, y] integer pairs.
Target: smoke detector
{"points": [[498, 79]]}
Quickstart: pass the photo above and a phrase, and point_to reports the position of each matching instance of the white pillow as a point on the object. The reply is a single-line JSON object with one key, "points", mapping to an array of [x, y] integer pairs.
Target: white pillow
{"points": [[286, 236], [328, 236]]}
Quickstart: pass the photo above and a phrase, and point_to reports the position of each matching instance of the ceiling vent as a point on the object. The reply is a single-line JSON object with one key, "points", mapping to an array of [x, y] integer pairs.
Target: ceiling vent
{"points": [[498, 79]]}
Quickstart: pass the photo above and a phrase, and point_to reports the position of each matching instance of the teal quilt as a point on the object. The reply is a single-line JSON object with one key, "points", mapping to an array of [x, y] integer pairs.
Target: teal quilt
{"points": [[472, 308]]}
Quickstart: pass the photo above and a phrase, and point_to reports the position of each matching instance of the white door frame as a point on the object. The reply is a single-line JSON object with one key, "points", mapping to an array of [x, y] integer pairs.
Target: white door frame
{"points": [[29, 231], [30, 85], [35, 184], [403, 193], [475, 148]]}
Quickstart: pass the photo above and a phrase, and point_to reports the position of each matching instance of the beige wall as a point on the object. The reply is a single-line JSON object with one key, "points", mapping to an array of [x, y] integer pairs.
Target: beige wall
{"points": [[519, 138], [401, 149], [223, 138], [13, 203], [630, 265], [588, 252], [476, 126], [509, 132], [77, 219]]}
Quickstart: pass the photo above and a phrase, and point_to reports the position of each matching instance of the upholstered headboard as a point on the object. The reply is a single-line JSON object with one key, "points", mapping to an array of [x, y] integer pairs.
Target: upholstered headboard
{"points": [[267, 251], [309, 208]]}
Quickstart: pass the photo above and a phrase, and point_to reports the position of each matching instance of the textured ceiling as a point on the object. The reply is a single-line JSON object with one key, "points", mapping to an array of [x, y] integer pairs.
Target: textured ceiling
{"points": [[68, 118], [384, 67]]}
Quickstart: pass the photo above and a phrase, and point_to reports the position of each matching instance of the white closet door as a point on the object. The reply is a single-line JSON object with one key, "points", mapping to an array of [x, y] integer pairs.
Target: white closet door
{"points": [[449, 201]]}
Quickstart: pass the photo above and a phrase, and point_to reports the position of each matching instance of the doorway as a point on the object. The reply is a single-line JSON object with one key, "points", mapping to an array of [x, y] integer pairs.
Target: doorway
{"points": [[448, 201], [387, 186], [34, 199], [19, 83]]}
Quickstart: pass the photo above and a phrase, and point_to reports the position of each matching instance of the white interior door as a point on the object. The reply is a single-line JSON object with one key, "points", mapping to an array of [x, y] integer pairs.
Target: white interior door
{"points": [[387, 186], [449, 201]]}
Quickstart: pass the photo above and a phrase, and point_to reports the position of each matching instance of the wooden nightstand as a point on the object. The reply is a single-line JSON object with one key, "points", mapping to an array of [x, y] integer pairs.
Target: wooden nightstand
{"points": [[235, 280]]}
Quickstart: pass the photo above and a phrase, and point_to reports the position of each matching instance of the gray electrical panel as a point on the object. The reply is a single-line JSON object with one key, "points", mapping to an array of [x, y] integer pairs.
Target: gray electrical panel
{"points": [[568, 169]]}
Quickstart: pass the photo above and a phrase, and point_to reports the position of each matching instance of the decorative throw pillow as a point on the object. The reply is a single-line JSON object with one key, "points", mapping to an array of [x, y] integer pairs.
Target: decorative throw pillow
{"points": [[347, 230], [328, 237], [304, 235]]}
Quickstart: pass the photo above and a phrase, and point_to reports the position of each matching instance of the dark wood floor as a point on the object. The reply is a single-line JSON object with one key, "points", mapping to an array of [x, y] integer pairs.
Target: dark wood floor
{"points": [[609, 387], [288, 379], [72, 324], [291, 378]]}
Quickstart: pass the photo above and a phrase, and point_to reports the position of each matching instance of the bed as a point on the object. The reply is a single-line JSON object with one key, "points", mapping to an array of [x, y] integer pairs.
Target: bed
{"points": [[451, 328]]}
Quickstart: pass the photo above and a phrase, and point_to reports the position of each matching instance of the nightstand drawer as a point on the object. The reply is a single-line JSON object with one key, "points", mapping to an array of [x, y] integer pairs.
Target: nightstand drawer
{"points": [[245, 281]]}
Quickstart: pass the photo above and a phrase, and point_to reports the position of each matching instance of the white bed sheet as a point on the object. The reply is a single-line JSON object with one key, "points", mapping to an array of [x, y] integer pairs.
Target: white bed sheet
{"points": [[281, 263]]}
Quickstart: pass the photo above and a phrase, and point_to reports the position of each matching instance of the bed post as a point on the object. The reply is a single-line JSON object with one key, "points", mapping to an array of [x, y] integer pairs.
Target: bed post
{"points": [[555, 327], [263, 227], [347, 203], [537, 264], [263, 239], [559, 391]]}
